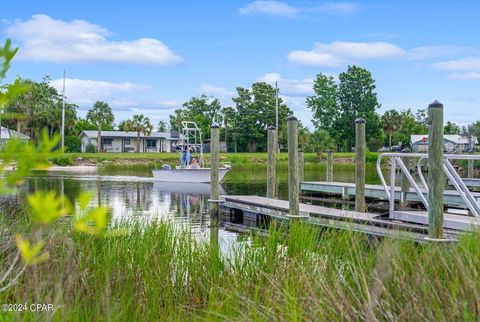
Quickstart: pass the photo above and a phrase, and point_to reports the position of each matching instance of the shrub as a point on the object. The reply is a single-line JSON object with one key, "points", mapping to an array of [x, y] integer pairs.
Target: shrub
{"points": [[62, 160], [73, 144], [90, 148]]}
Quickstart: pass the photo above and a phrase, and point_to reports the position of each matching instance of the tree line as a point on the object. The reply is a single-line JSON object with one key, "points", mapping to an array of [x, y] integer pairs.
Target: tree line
{"points": [[335, 104]]}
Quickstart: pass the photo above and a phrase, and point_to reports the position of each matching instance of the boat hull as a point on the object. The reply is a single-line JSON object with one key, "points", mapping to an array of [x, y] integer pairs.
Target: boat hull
{"points": [[187, 175]]}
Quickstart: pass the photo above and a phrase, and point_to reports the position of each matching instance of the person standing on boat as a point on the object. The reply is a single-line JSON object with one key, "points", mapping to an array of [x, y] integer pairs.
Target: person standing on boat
{"points": [[186, 156]]}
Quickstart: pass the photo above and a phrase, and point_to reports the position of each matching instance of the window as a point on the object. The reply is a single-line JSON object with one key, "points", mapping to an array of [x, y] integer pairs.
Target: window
{"points": [[151, 143], [107, 141], [126, 141]]}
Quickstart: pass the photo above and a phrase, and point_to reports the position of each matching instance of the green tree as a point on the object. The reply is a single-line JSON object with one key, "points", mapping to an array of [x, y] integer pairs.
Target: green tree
{"points": [[139, 124], [320, 142], [162, 126], [411, 124], [392, 122], [335, 107], [100, 114], [255, 111], [176, 119], [40, 107], [451, 128], [357, 98], [229, 118], [204, 111], [324, 104], [471, 132]]}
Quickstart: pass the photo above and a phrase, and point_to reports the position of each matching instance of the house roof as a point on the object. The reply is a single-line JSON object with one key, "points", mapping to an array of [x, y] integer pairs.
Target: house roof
{"points": [[92, 134], [455, 138], [10, 134]]}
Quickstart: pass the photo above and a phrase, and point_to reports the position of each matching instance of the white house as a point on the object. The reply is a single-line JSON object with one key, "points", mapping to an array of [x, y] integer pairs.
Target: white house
{"points": [[7, 134], [453, 143], [122, 141]]}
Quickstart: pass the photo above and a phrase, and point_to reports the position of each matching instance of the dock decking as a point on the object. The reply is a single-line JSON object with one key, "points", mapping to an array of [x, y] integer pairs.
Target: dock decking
{"points": [[346, 190], [255, 212]]}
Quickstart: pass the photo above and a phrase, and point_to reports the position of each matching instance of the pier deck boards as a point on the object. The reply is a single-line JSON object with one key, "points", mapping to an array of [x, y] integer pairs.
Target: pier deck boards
{"points": [[345, 189], [251, 211]]}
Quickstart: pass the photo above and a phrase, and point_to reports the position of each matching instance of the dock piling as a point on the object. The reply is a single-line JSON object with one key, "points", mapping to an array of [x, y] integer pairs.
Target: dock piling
{"points": [[360, 146], [293, 179], [272, 151], [214, 165], [329, 166], [436, 175], [405, 184], [470, 172], [301, 165]]}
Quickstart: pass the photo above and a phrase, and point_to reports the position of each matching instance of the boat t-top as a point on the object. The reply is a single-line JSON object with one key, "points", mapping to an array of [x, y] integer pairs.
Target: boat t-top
{"points": [[192, 165]]}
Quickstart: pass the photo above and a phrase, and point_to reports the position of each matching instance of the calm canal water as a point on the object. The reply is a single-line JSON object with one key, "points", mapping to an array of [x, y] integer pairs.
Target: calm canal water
{"points": [[131, 193]]}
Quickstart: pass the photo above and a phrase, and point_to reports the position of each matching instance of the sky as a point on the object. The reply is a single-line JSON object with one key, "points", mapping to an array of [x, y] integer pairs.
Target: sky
{"points": [[151, 56]]}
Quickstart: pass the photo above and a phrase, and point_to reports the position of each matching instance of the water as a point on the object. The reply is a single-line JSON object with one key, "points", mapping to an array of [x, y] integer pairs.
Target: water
{"points": [[132, 193]]}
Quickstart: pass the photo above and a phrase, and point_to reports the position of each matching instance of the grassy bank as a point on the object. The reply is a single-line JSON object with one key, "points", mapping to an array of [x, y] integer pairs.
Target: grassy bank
{"points": [[155, 273], [240, 160]]}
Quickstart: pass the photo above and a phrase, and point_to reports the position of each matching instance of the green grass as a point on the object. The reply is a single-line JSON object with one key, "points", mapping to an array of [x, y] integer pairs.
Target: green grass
{"points": [[161, 273], [239, 160]]}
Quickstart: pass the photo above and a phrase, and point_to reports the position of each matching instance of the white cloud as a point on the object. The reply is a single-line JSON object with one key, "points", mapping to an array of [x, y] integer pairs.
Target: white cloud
{"points": [[445, 51], [468, 63], [282, 9], [292, 87], [43, 38], [273, 8], [340, 53], [465, 76], [87, 92], [335, 8], [145, 104], [221, 92]]}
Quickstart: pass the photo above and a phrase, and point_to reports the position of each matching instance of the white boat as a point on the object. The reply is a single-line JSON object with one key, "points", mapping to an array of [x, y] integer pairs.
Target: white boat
{"points": [[190, 142], [201, 175]]}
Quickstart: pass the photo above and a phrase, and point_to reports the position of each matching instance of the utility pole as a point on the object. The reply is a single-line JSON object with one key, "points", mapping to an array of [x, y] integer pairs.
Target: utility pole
{"points": [[63, 113], [276, 115]]}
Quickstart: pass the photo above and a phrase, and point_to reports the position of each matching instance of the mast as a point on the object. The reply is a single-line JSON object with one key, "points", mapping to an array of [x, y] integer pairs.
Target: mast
{"points": [[276, 105], [63, 113], [276, 115]]}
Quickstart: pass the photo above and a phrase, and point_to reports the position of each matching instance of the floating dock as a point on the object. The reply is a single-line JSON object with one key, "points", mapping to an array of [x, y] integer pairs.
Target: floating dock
{"points": [[347, 190], [253, 212]]}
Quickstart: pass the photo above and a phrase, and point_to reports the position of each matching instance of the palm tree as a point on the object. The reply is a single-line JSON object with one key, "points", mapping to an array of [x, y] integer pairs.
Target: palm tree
{"points": [[392, 121], [100, 114], [139, 124]]}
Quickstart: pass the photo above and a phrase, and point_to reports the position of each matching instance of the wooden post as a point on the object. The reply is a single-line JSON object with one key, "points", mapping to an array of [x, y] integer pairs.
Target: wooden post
{"points": [[214, 165], [436, 175], [272, 151], [405, 183], [293, 182], [301, 165], [470, 169], [329, 166], [360, 146]]}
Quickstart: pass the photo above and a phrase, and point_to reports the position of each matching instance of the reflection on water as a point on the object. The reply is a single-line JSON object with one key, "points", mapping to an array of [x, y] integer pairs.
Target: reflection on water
{"points": [[136, 195]]}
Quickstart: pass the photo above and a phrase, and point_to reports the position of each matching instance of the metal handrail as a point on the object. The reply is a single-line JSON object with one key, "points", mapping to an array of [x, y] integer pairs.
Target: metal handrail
{"points": [[449, 170]]}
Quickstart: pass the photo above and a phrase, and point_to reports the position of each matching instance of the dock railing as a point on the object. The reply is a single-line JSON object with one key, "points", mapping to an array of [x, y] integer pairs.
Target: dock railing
{"points": [[449, 170]]}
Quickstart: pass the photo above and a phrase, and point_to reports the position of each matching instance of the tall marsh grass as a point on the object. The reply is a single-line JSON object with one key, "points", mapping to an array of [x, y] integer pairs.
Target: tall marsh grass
{"points": [[162, 273]]}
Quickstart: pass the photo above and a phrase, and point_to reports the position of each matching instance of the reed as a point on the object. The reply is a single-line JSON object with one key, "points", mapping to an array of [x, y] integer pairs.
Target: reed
{"points": [[163, 272]]}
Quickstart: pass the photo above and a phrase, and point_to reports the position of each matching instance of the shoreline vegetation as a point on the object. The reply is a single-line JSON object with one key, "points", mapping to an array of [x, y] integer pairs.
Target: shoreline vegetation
{"points": [[237, 160], [296, 273]]}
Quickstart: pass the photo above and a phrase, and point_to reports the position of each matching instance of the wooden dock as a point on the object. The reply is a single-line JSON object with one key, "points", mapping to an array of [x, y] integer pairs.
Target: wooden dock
{"points": [[347, 190], [254, 212]]}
